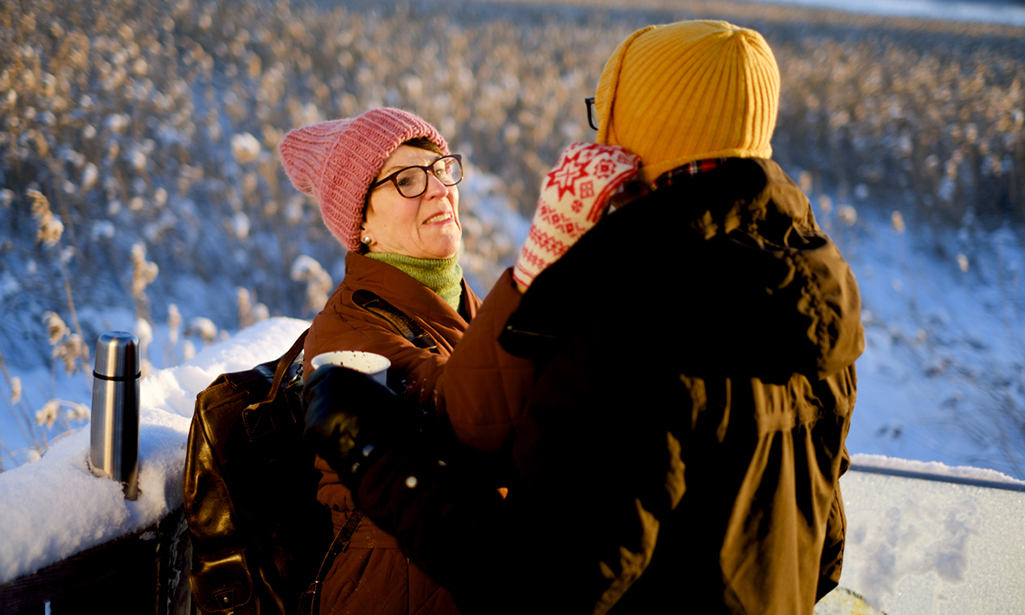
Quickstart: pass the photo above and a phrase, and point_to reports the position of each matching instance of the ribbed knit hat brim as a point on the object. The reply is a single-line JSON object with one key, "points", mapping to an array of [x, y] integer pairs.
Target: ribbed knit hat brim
{"points": [[337, 160], [687, 91]]}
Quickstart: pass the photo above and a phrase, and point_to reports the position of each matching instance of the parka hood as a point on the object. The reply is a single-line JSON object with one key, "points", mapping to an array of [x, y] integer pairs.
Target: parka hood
{"points": [[755, 284]]}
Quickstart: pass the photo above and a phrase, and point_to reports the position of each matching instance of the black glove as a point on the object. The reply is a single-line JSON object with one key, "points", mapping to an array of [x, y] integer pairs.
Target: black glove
{"points": [[350, 420]]}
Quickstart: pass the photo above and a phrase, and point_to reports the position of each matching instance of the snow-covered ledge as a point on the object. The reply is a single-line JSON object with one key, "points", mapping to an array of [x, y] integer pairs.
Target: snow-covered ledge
{"points": [[924, 538], [54, 508]]}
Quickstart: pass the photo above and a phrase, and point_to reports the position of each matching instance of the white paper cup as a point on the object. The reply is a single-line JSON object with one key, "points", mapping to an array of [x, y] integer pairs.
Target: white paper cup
{"points": [[372, 364]]}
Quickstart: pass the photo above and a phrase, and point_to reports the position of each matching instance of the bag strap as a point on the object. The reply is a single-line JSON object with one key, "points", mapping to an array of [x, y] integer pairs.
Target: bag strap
{"points": [[310, 599], [399, 320], [284, 363], [406, 326]]}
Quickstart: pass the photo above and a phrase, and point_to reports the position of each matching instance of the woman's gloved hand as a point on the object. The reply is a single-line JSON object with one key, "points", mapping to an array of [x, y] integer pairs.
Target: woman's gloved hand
{"points": [[350, 419], [574, 197]]}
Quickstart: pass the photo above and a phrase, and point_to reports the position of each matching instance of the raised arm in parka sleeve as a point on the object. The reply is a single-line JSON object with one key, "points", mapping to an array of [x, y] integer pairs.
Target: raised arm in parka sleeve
{"points": [[484, 388], [471, 379]]}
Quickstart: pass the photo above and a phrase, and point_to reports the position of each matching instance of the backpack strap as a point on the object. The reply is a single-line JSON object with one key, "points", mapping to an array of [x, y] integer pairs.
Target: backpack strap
{"points": [[284, 363], [309, 601], [402, 323]]}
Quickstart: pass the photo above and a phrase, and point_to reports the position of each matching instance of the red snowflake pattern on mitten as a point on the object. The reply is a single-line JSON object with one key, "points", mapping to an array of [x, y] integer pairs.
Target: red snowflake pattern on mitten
{"points": [[565, 175], [574, 197]]}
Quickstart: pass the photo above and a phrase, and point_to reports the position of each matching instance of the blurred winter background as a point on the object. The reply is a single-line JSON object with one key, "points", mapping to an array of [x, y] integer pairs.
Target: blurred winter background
{"points": [[140, 188]]}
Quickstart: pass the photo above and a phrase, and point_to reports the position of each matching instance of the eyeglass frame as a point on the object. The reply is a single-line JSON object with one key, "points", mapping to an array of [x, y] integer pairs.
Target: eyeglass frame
{"points": [[589, 103], [427, 169]]}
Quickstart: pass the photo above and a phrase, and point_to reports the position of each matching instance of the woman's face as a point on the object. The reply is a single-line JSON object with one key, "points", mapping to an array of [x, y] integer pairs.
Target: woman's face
{"points": [[426, 226]]}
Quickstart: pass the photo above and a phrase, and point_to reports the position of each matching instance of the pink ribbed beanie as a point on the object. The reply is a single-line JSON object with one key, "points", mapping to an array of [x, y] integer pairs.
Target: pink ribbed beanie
{"points": [[337, 160]]}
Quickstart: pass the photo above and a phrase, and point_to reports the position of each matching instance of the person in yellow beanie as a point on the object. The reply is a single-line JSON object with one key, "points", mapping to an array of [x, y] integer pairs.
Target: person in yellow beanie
{"points": [[681, 444], [752, 381]]}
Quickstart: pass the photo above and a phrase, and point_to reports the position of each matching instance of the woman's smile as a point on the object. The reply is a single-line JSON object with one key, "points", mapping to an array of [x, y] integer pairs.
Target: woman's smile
{"points": [[442, 217]]}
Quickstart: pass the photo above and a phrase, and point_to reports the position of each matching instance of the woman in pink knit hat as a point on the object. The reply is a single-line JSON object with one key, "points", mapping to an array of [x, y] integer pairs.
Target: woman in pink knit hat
{"points": [[387, 187]]}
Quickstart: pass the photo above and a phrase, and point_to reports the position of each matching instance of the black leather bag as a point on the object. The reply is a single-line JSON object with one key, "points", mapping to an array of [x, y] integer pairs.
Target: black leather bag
{"points": [[258, 532]]}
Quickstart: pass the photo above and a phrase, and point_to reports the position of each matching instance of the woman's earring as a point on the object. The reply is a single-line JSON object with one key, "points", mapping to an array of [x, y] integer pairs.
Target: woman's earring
{"points": [[367, 240]]}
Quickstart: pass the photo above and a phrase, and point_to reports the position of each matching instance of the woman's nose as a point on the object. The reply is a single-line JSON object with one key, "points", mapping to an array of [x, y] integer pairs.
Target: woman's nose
{"points": [[435, 189]]}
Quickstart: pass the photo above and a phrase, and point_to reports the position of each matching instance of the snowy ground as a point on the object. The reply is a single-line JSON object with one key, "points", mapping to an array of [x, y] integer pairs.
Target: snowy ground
{"points": [[920, 547], [942, 374]]}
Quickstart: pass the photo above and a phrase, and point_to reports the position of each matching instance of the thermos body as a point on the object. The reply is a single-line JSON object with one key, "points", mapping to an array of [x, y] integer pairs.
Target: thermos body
{"points": [[114, 443]]}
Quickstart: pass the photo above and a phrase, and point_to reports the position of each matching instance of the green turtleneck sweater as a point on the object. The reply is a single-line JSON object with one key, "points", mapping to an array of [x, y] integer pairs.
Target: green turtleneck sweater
{"points": [[443, 276]]}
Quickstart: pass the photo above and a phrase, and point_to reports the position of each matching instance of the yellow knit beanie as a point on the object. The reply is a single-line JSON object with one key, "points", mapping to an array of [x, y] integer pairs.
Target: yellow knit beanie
{"points": [[688, 91]]}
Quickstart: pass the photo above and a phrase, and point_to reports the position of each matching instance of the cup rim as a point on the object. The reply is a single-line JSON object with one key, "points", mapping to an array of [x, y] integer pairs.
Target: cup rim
{"points": [[330, 359]]}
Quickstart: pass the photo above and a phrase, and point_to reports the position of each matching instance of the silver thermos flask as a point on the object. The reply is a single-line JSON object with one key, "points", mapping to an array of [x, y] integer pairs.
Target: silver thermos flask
{"points": [[114, 442]]}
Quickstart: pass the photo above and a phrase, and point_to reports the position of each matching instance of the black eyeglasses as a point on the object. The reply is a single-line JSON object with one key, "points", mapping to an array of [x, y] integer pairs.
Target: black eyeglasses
{"points": [[411, 182], [591, 114]]}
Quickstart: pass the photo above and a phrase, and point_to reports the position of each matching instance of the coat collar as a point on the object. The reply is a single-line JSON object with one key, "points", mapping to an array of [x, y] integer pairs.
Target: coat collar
{"points": [[405, 293]]}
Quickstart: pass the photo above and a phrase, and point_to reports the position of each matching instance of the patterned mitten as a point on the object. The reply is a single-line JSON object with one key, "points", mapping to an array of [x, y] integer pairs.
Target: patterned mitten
{"points": [[574, 197]]}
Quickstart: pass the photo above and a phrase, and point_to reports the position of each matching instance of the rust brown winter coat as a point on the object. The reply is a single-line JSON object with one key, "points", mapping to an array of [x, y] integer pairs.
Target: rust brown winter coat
{"points": [[373, 576]]}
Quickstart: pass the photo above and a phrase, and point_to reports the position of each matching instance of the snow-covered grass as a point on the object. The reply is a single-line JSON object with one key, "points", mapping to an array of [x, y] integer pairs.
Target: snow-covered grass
{"points": [[943, 374], [942, 377], [154, 149], [493, 231]]}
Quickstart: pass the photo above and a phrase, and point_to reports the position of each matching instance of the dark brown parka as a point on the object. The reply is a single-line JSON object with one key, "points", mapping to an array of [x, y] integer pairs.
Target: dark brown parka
{"points": [[682, 446]]}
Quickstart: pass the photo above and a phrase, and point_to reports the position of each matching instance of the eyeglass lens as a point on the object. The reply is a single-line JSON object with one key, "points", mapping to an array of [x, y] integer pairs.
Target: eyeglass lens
{"points": [[412, 182]]}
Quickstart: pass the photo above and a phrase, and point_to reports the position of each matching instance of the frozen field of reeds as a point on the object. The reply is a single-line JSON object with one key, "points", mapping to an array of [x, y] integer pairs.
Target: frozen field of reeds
{"points": [[140, 188]]}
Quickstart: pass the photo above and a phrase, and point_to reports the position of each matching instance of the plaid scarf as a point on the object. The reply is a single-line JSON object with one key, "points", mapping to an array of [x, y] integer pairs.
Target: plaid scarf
{"points": [[683, 172]]}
